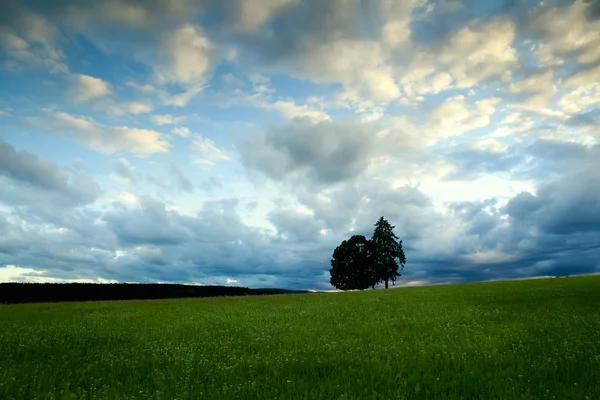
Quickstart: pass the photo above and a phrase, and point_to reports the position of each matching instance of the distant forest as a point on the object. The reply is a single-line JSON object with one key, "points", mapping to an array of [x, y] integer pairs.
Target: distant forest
{"points": [[53, 292]]}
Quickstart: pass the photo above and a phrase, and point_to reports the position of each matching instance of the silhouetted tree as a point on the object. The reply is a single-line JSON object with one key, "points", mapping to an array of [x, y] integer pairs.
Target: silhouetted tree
{"points": [[350, 266], [386, 250]]}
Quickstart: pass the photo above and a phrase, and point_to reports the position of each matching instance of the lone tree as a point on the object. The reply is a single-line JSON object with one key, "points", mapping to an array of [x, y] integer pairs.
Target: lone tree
{"points": [[386, 249], [360, 263], [350, 266]]}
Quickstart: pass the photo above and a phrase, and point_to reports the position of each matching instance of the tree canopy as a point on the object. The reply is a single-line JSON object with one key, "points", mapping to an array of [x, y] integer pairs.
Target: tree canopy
{"points": [[360, 263], [350, 264]]}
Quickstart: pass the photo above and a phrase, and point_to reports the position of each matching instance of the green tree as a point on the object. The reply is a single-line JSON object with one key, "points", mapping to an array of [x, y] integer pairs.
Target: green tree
{"points": [[387, 255], [351, 265]]}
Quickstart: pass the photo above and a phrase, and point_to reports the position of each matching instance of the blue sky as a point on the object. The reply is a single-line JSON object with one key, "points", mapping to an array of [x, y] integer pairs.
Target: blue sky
{"points": [[240, 141]]}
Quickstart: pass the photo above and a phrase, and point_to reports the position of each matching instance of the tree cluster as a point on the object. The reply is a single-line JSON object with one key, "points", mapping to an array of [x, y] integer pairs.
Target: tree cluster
{"points": [[361, 263]]}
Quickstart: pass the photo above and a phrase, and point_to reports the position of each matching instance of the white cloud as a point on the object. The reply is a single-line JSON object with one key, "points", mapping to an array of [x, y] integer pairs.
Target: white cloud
{"points": [[468, 57], [136, 107], [473, 55], [183, 98], [566, 30], [252, 14], [287, 106], [580, 98], [395, 33], [584, 77], [188, 53], [181, 131], [396, 30], [32, 41], [455, 117], [541, 88], [490, 257], [102, 138], [88, 88], [14, 273], [121, 196], [166, 119], [11, 41], [488, 144], [139, 14], [291, 110], [340, 60], [208, 152]]}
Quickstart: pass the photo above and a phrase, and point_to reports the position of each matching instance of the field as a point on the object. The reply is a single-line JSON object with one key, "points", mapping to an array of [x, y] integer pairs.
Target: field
{"points": [[537, 339]]}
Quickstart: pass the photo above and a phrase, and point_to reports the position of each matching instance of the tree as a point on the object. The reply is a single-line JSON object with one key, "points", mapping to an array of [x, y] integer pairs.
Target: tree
{"points": [[386, 249], [351, 265]]}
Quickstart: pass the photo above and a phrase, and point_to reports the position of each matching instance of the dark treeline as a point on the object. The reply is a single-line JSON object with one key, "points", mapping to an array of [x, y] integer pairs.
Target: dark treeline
{"points": [[53, 292]]}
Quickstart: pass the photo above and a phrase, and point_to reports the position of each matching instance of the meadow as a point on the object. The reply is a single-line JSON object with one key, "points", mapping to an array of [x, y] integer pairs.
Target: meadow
{"points": [[535, 339]]}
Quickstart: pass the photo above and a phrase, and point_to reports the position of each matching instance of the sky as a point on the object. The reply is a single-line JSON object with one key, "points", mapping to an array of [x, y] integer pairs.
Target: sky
{"points": [[238, 142]]}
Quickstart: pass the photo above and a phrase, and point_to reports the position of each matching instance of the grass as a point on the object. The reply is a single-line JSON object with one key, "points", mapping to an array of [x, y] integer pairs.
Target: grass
{"points": [[537, 339]]}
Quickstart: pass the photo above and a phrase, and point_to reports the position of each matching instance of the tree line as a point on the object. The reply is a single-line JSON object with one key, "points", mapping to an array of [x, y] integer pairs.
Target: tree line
{"points": [[53, 292], [361, 263]]}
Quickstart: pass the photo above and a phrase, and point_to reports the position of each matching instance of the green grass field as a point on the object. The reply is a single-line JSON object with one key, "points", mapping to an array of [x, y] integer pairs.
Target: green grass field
{"points": [[537, 339]]}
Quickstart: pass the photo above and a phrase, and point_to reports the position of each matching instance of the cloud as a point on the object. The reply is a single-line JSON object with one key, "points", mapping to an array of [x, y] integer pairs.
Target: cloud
{"points": [[136, 107], [564, 206], [291, 110], [123, 171], [180, 181], [188, 56], [181, 131], [481, 158], [455, 116], [166, 119], [296, 226], [29, 39], [29, 169], [539, 88], [102, 138], [26, 178], [567, 33], [467, 57], [87, 88], [208, 152], [338, 61], [134, 13], [320, 151], [252, 14], [580, 98], [262, 98]]}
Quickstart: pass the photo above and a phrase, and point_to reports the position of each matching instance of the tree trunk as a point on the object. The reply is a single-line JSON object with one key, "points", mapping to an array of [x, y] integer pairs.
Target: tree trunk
{"points": [[386, 283]]}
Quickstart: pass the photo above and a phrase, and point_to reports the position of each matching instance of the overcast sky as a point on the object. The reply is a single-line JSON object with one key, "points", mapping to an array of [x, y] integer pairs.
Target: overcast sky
{"points": [[240, 141]]}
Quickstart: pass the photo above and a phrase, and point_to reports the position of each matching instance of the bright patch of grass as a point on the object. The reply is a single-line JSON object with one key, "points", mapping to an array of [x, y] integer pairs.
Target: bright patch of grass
{"points": [[503, 340]]}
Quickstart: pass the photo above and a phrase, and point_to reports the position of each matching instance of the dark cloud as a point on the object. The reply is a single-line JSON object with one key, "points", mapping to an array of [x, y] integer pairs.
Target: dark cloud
{"points": [[321, 152], [37, 186], [522, 206], [141, 13], [179, 180], [31, 169], [150, 224], [552, 158], [593, 11], [123, 170], [472, 163], [295, 226], [570, 204]]}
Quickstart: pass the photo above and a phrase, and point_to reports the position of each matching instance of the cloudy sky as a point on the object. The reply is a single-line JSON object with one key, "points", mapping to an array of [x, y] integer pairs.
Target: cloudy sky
{"points": [[240, 141]]}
